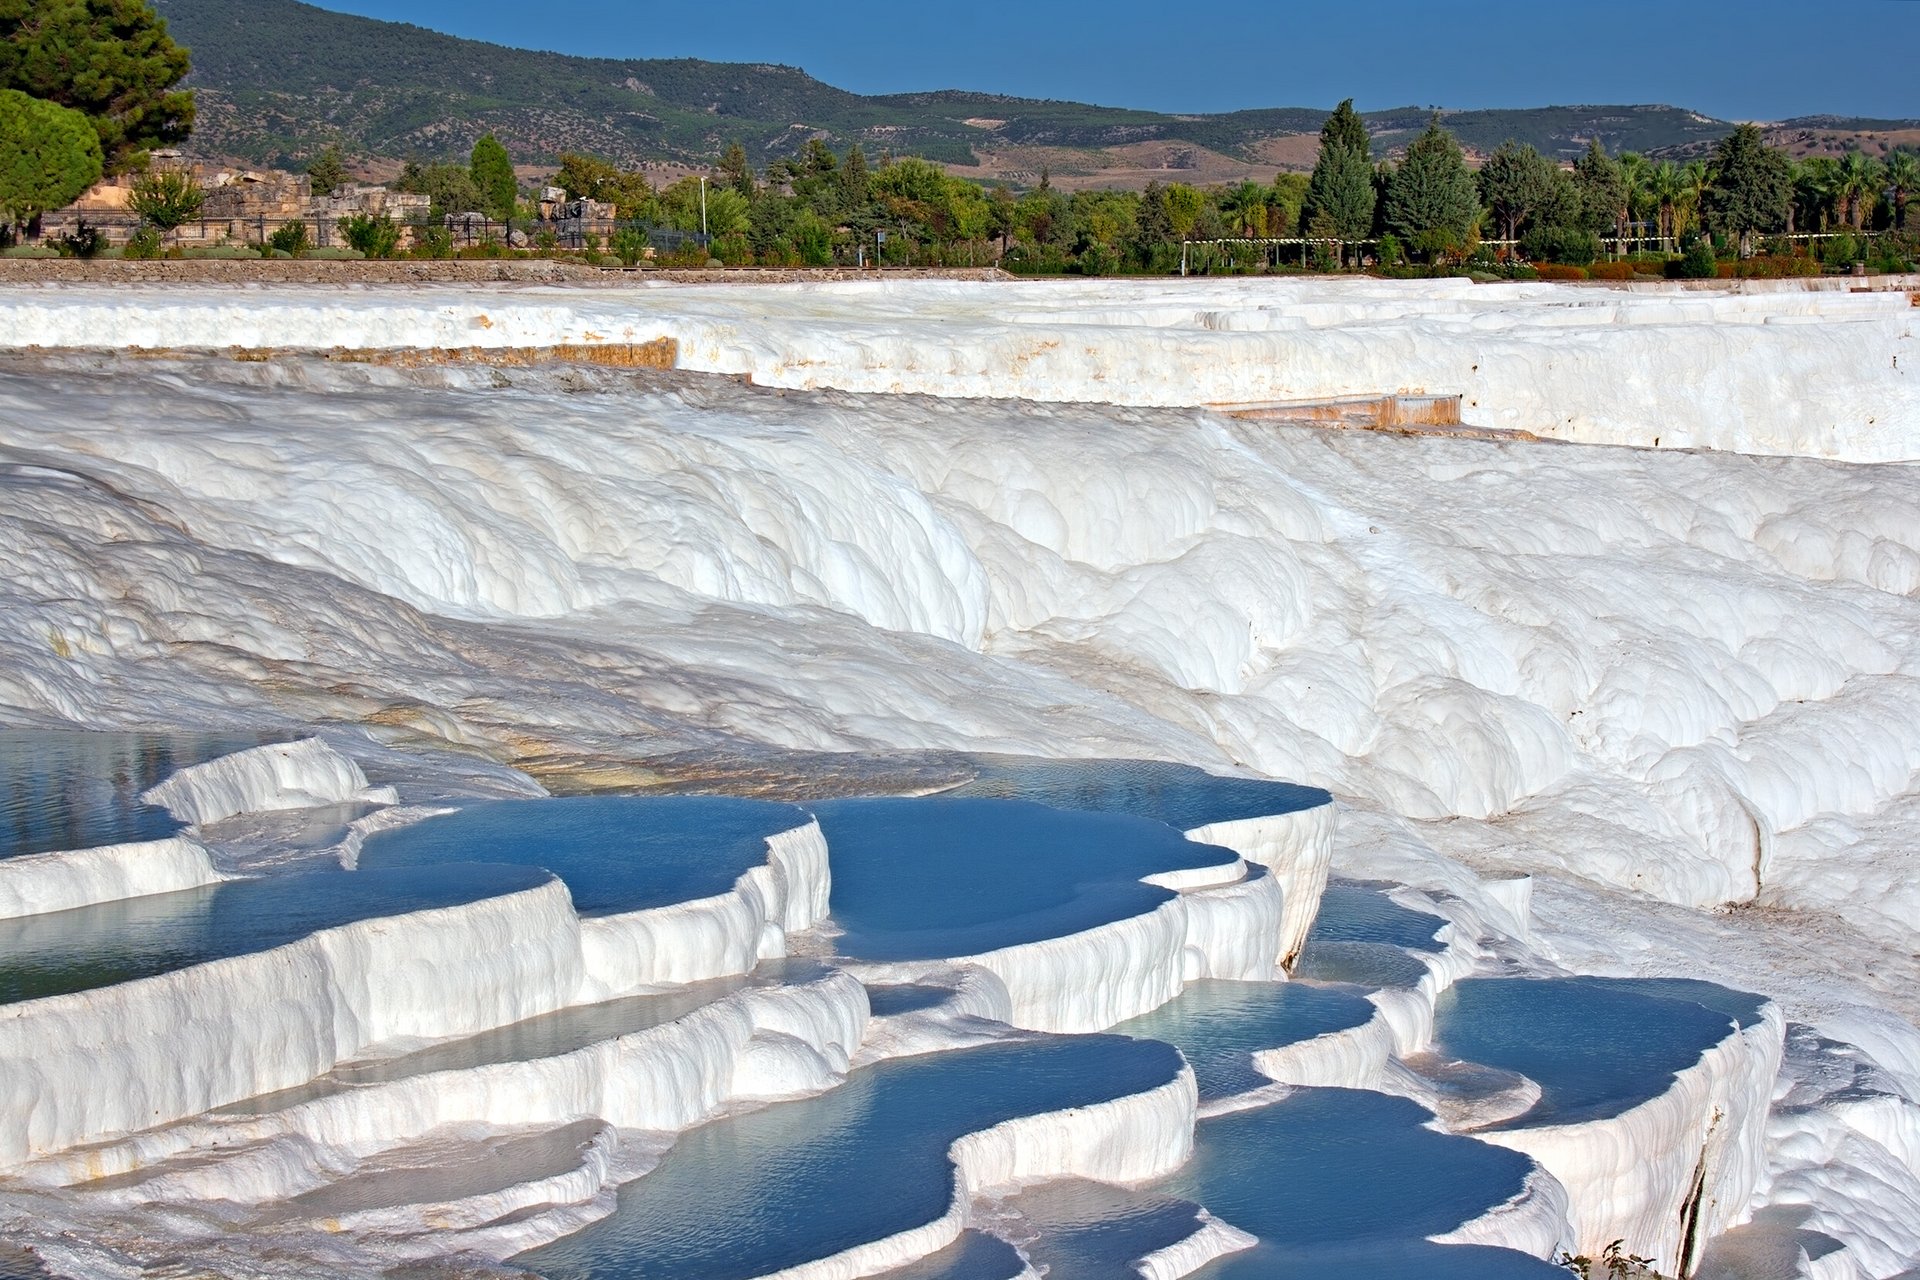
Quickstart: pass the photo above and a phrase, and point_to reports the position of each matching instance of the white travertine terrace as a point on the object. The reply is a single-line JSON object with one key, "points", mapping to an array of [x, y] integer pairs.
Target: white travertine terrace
{"points": [[1653, 681]]}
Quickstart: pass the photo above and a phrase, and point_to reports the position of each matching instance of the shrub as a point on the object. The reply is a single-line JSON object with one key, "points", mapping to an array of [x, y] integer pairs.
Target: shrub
{"points": [[290, 239], [29, 251], [372, 236], [145, 243], [167, 199], [1611, 271], [335, 255], [1697, 262], [84, 241], [629, 245], [1842, 251], [432, 242], [221, 253], [1558, 271], [1564, 245]]}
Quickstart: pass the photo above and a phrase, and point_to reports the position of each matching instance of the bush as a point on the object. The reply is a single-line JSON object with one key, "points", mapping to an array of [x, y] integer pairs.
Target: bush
{"points": [[1842, 251], [1894, 254], [1697, 262], [335, 255], [145, 243], [29, 251], [278, 255], [629, 245], [1558, 271], [290, 239], [372, 237], [85, 241], [221, 253], [1563, 245], [432, 242], [1611, 271]]}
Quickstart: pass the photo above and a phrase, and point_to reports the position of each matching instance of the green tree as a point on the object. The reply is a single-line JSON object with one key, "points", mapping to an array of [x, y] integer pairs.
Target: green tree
{"points": [[110, 60], [166, 199], [449, 186], [1184, 206], [629, 245], [1666, 188], [492, 171], [1603, 191], [328, 172], [1751, 187], [736, 171], [1152, 224], [49, 156], [1340, 195], [812, 238], [1516, 182], [855, 183], [1431, 200]]}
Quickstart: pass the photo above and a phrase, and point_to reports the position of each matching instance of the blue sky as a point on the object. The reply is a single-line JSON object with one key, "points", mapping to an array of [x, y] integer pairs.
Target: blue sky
{"points": [[1763, 59]]}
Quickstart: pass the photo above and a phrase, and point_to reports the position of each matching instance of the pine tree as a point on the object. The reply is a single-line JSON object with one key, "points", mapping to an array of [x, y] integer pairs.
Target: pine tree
{"points": [[49, 156], [110, 60], [1751, 188], [1516, 182], [1340, 196], [328, 171], [1431, 199], [736, 171]]}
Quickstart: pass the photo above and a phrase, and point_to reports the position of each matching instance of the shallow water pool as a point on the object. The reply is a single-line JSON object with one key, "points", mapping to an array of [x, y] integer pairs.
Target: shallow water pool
{"points": [[615, 853], [1219, 1026], [918, 879], [98, 946], [73, 789], [800, 1181], [1179, 795], [1596, 1046]]}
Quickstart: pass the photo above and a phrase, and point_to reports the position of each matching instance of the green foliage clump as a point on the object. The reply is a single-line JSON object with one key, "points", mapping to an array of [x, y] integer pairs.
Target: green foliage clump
{"points": [[1752, 186], [49, 156], [334, 253], [449, 186], [84, 241], [1697, 261], [166, 199], [328, 172], [1565, 245], [220, 252], [492, 171], [629, 244], [144, 243], [290, 238], [371, 235], [1516, 182], [110, 60]]}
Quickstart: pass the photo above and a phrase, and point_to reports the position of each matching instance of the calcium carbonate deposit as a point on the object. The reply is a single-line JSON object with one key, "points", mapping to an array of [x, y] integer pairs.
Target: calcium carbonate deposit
{"points": [[1584, 917]]}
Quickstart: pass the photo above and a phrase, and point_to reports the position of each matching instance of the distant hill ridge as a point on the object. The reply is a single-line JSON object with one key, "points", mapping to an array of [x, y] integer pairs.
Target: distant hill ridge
{"points": [[278, 79]]}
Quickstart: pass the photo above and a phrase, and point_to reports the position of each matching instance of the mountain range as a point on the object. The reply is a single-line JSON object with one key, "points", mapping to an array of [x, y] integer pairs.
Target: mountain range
{"points": [[278, 79]]}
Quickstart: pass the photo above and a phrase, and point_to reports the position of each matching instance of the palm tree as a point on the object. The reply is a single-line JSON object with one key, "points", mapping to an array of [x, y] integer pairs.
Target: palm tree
{"points": [[1818, 185], [1666, 188], [1902, 177], [1859, 185], [1634, 174], [1246, 204], [1695, 178]]}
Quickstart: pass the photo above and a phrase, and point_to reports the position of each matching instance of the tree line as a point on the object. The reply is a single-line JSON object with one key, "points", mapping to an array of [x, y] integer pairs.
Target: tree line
{"points": [[1429, 209]]}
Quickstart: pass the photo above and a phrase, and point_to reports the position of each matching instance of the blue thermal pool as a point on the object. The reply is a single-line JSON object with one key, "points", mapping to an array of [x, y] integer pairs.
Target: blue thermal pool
{"points": [[1338, 1182], [917, 879], [98, 946], [615, 853], [1177, 794], [71, 789], [1377, 965], [974, 1256], [1219, 1025], [1596, 1046], [1091, 1231], [804, 1180], [1355, 912]]}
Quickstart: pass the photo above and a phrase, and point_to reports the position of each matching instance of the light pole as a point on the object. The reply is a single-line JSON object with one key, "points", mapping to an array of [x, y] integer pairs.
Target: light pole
{"points": [[703, 208]]}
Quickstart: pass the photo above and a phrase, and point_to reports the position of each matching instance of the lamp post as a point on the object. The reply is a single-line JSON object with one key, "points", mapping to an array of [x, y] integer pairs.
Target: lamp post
{"points": [[703, 208]]}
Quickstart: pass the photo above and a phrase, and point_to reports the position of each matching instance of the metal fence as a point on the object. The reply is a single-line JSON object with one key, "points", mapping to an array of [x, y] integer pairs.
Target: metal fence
{"points": [[464, 231]]}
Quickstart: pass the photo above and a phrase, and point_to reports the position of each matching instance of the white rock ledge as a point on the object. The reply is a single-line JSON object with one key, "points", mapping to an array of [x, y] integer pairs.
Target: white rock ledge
{"points": [[303, 774], [61, 881]]}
